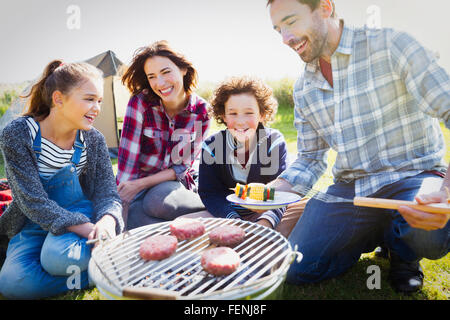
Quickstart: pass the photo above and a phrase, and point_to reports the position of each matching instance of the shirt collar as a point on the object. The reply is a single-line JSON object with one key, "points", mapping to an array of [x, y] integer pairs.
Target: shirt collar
{"points": [[346, 42], [192, 103]]}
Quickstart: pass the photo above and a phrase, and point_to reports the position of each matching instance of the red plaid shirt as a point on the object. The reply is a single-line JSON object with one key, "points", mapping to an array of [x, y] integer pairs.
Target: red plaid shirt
{"points": [[152, 142]]}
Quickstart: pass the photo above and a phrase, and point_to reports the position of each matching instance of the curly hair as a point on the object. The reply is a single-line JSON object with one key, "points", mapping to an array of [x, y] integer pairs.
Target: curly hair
{"points": [[135, 78], [267, 104]]}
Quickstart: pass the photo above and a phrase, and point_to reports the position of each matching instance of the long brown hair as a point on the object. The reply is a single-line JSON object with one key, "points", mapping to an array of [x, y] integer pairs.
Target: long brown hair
{"points": [[57, 76], [136, 80]]}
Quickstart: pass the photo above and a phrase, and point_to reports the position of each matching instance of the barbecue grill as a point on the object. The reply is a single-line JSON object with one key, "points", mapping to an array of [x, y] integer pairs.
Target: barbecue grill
{"points": [[119, 272]]}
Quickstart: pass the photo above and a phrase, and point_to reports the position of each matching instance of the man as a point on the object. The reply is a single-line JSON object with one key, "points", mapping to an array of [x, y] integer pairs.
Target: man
{"points": [[375, 97]]}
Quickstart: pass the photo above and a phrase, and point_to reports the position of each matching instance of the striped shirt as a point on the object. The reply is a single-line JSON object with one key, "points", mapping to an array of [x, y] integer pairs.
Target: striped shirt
{"points": [[52, 157], [240, 174], [239, 171], [380, 116], [216, 174], [152, 141]]}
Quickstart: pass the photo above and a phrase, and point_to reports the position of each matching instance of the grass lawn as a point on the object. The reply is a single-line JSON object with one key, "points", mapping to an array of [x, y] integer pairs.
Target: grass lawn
{"points": [[351, 285]]}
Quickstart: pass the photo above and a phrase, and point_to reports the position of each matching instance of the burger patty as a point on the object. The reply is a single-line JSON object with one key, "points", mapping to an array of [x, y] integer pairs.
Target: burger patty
{"points": [[220, 261], [227, 235], [187, 228], [158, 247]]}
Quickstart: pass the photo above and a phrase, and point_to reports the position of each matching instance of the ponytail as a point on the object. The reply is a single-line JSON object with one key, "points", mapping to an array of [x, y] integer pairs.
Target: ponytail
{"points": [[40, 103], [57, 76]]}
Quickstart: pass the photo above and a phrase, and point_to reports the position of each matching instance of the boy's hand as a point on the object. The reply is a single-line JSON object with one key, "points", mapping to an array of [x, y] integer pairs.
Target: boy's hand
{"points": [[265, 223], [258, 211]]}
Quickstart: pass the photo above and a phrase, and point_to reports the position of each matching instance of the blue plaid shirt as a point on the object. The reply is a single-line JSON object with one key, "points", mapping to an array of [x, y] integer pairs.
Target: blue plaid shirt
{"points": [[381, 115]]}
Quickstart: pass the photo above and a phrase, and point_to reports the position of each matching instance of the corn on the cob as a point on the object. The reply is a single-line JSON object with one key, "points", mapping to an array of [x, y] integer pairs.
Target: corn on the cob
{"points": [[255, 191]]}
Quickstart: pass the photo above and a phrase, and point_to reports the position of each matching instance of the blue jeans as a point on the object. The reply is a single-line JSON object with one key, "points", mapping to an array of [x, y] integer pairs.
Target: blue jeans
{"points": [[37, 263], [332, 236]]}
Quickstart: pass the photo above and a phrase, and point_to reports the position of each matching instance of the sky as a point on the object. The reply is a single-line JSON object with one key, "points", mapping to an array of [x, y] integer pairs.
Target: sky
{"points": [[221, 38]]}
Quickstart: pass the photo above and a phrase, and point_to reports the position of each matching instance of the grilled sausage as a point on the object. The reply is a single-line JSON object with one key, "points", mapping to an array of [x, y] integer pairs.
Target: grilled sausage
{"points": [[158, 247]]}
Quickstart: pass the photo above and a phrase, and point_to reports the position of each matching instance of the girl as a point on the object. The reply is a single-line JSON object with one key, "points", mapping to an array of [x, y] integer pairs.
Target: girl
{"points": [[246, 151], [62, 184], [163, 129]]}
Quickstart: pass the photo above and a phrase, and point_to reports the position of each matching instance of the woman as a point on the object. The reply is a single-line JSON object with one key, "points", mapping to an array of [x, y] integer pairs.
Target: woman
{"points": [[164, 126], [62, 184]]}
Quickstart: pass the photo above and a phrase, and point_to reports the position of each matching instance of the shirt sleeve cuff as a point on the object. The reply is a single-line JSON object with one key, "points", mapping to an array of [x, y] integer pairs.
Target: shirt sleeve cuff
{"points": [[271, 217], [180, 171], [233, 215]]}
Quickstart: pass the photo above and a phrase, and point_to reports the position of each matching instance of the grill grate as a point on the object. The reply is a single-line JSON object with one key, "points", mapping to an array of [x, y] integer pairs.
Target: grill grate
{"points": [[265, 256]]}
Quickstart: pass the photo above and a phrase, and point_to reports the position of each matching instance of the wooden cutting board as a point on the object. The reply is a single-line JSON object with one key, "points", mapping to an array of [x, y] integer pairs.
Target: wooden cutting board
{"points": [[443, 208]]}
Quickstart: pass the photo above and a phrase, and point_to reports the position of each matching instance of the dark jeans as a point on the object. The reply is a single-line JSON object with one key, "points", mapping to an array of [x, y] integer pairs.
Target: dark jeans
{"points": [[332, 236], [163, 202]]}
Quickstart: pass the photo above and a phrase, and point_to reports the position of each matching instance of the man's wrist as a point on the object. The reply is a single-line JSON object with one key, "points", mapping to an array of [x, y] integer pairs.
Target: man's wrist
{"points": [[281, 184]]}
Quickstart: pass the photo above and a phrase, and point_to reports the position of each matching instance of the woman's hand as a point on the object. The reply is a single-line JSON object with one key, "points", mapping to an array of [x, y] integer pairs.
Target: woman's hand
{"points": [[128, 190], [424, 220], [105, 228]]}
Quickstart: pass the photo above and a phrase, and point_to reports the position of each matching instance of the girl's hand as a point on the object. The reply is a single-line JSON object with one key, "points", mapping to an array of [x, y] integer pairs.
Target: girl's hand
{"points": [[83, 230], [128, 190], [105, 228]]}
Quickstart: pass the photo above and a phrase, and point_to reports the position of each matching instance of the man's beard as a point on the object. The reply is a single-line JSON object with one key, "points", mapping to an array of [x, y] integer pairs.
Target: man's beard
{"points": [[317, 41], [315, 48]]}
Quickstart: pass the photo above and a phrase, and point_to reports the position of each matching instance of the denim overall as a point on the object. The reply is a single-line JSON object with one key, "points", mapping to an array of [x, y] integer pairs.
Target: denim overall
{"points": [[38, 263]]}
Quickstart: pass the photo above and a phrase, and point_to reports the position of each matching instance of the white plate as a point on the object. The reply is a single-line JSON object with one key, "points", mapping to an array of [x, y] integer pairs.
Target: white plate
{"points": [[282, 199]]}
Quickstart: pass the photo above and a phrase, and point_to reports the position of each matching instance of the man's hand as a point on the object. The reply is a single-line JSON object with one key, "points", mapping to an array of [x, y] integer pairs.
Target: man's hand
{"points": [[424, 220], [280, 185]]}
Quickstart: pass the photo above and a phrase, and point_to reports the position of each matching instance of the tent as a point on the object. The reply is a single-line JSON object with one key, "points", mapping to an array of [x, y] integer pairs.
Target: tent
{"points": [[115, 100]]}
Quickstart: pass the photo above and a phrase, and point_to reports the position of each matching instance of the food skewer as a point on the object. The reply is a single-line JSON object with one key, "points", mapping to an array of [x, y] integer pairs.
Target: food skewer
{"points": [[254, 191]]}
